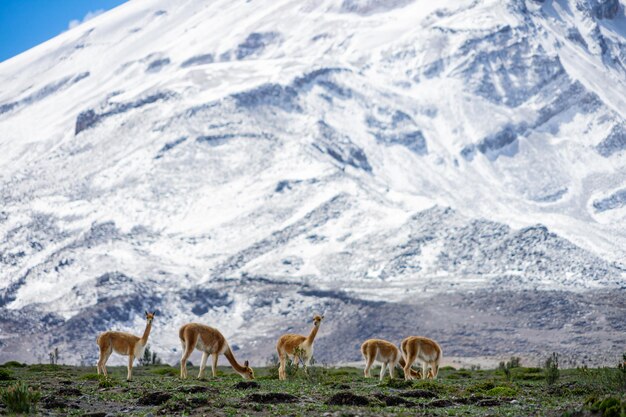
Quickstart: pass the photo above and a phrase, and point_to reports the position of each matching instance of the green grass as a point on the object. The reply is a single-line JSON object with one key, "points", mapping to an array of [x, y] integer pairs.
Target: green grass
{"points": [[68, 390]]}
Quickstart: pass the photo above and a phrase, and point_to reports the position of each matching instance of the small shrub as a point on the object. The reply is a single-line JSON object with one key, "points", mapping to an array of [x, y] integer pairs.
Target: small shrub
{"points": [[501, 392], [434, 386], [552, 372], [480, 387], [505, 367], [622, 369], [447, 368], [19, 398], [6, 375], [272, 366], [13, 364], [166, 371], [607, 407], [149, 358], [42, 367], [91, 377], [105, 382]]}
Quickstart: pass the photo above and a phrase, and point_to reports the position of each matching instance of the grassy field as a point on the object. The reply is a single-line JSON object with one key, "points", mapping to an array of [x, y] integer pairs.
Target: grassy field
{"points": [[156, 390]]}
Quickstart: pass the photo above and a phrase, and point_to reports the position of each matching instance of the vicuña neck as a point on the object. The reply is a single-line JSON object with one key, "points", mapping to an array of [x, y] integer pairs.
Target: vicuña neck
{"points": [[312, 335], [146, 333], [233, 362]]}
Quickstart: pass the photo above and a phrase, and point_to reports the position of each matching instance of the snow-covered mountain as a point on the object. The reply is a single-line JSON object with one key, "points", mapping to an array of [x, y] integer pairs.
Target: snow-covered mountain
{"points": [[453, 168]]}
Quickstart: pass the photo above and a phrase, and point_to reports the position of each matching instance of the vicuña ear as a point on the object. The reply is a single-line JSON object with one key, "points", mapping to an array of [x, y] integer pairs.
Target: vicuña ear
{"points": [[145, 312], [245, 364], [322, 317], [154, 314]]}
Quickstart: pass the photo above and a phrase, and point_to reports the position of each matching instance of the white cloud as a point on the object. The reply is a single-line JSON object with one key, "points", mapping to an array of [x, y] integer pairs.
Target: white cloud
{"points": [[90, 15]]}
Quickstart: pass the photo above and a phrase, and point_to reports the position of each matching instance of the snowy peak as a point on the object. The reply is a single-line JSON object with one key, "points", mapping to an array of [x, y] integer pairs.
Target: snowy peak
{"points": [[353, 153]]}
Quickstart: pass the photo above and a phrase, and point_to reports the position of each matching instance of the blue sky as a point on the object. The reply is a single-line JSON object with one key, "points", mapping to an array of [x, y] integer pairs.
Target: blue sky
{"points": [[27, 23]]}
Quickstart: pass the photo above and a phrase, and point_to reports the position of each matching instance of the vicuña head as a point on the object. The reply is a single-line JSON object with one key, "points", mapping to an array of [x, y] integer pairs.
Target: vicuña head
{"points": [[299, 347], [124, 344], [209, 341]]}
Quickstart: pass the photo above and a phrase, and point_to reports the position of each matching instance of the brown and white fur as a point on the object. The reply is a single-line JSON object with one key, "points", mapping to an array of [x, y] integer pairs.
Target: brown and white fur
{"points": [[387, 354], [124, 344], [209, 341], [289, 343], [426, 350]]}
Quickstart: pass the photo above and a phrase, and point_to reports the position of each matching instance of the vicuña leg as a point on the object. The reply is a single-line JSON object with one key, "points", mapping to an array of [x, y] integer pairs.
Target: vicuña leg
{"points": [[281, 367], [205, 356], [129, 377], [424, 370], [214, 358], [407, 366], [382, 370], [368, 366], [187, 351], [391, 369]]}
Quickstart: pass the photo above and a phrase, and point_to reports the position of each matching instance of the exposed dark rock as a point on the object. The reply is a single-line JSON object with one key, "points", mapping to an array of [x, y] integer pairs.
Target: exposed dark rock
{"points": [[340, 147], [392, 400], [69, 391], [600, 9], [89, 118], [154, 398], [614, 201], [418, 393], [51, 402], [194, 389], [370, 7], [157, 65], [44, 92], [198, 60], [348, 398], [615, 141], [255, 43], [247, 385], [271, 398], [269, 95], [441, 403], [170, 145]]}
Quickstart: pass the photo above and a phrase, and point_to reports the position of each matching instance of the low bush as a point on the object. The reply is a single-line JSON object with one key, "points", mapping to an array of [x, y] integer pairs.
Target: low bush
{"points": [[13, 364], [19, 398], [607, 407], [167, 370], [480, 387], [501, 392], [552, 372], [6, 375]]}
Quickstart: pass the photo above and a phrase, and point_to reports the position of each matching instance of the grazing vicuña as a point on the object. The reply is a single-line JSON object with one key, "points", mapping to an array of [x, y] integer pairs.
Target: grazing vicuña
{"points": [[209, 341], [426, 350]]}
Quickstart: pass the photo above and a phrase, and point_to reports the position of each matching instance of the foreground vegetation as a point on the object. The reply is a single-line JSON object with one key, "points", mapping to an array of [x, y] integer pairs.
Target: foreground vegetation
{"points": [[509, 391]]}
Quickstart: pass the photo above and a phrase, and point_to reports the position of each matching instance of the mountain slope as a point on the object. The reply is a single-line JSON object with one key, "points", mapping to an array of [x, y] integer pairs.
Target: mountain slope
{"points": [[239, 162]]}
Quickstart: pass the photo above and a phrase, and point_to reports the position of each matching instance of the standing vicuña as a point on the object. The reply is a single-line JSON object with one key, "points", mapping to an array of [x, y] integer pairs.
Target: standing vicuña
{"points": [[209, 341], [424, 349], [297, 346], [387, 354], [124, 344]]}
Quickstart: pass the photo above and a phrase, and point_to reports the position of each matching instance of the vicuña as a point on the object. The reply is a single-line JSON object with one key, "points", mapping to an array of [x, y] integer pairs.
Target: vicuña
{"points": [[209, 341], [124, 344], [297, 346], [426, 350], [387, 354]]}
